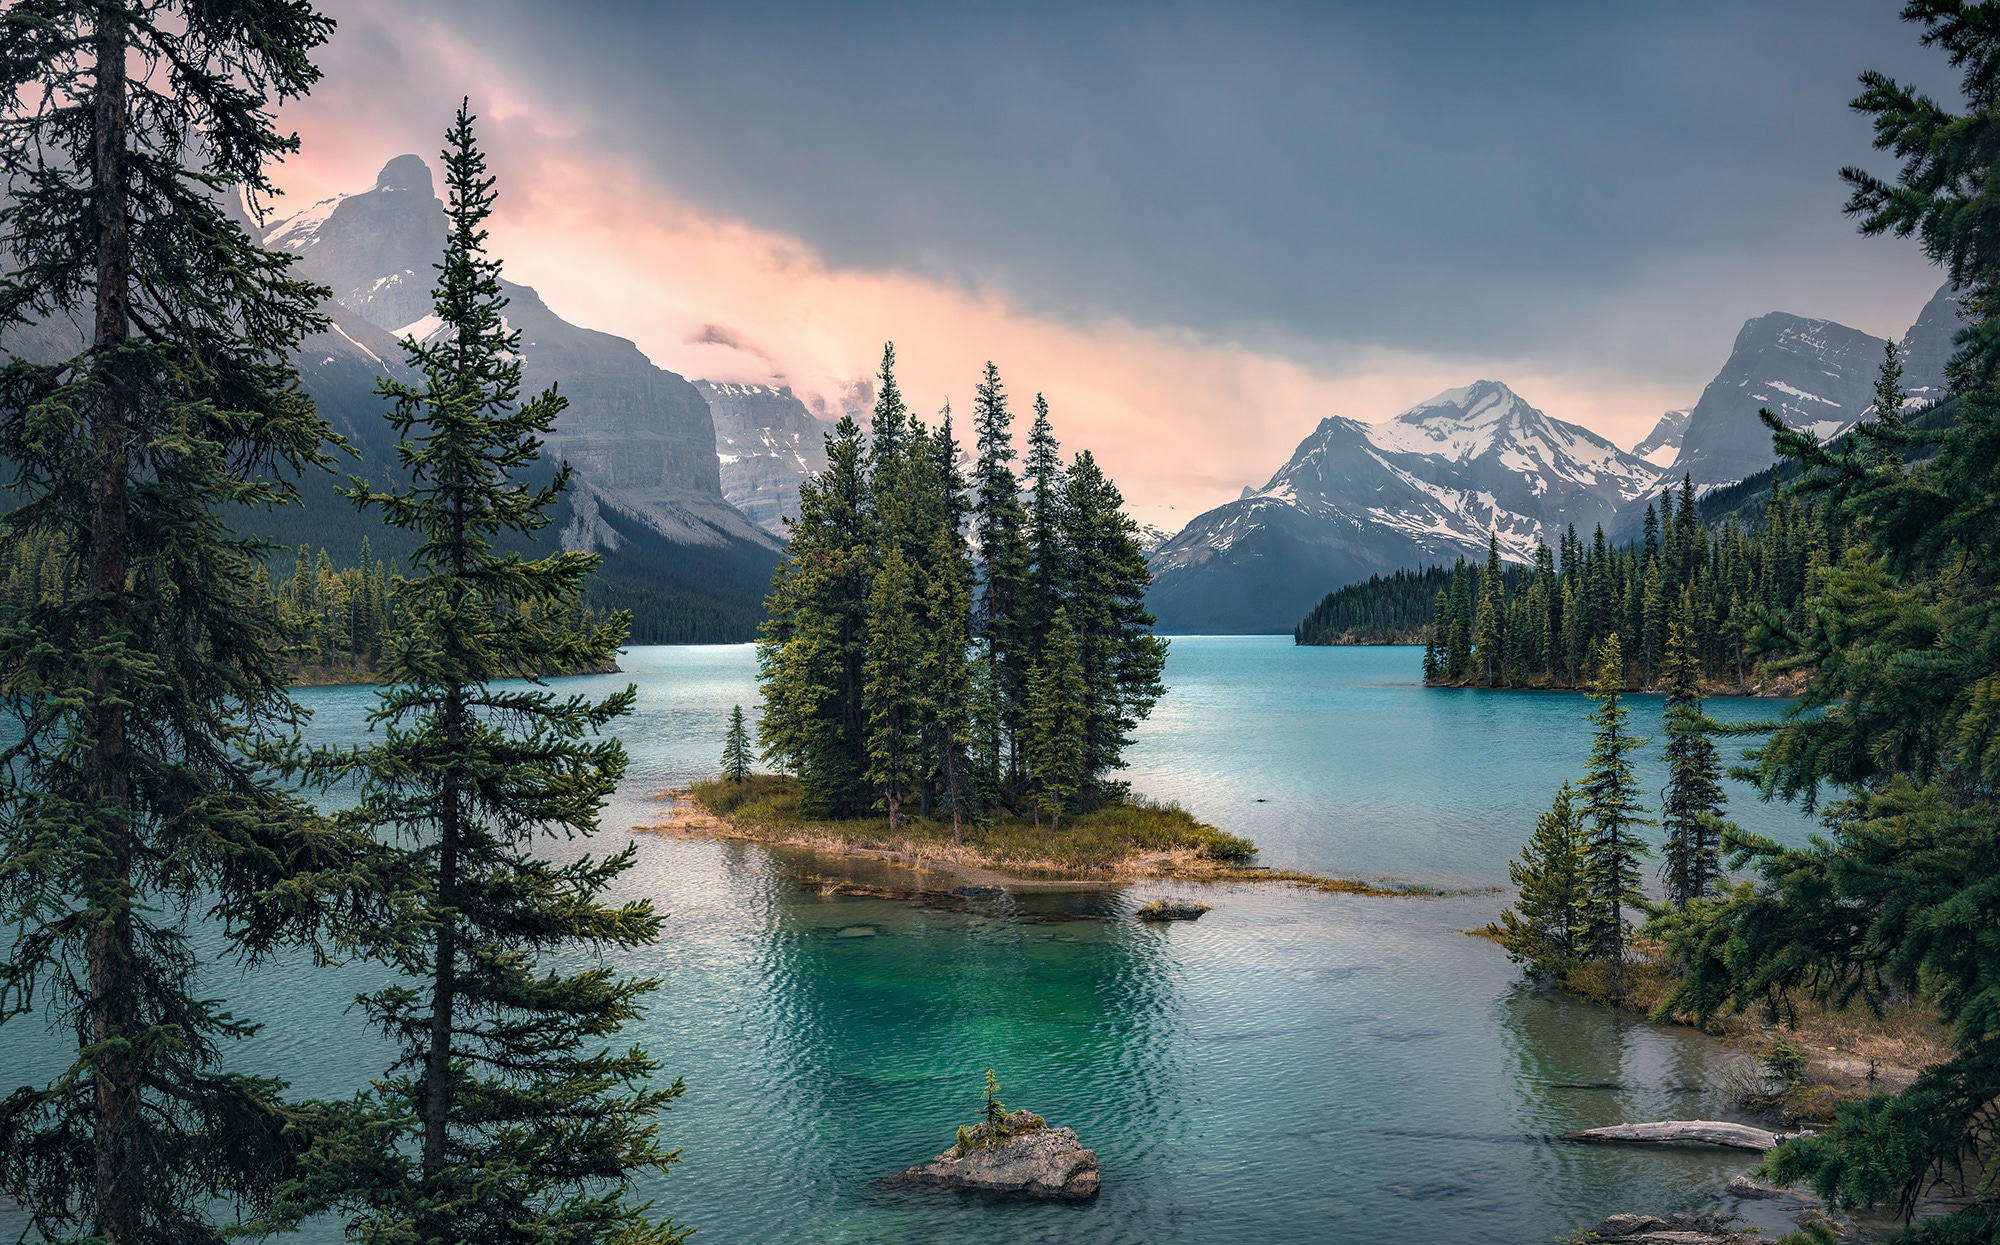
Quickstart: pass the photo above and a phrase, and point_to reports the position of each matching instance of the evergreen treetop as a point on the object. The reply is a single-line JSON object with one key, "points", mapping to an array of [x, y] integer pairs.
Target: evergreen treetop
{"points": [[504, 1118], [146, 673], [1899, 716]]}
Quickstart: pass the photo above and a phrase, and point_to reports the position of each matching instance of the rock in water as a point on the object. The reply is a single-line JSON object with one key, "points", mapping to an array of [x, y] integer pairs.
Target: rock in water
{"points": [[1171, 910], [1036, 1161], [1694, 1132]]}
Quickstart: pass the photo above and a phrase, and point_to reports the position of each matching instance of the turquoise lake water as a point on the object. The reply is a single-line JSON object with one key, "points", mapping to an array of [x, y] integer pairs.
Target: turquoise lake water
{"points": [[1293, 1067]]}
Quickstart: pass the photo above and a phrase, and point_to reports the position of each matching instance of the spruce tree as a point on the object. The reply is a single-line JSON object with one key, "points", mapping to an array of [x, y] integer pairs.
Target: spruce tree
{"points": [[998, 531], [505, 1117], [813, 643], [1056, 722], [893, 682], [1691, 805], [949, 689], [1048, 543], [1120, 659], [1489, 643], [1889, 395], [736, 748], [1897, 726], [148, 672], [1611, 792], [1548, 925]]}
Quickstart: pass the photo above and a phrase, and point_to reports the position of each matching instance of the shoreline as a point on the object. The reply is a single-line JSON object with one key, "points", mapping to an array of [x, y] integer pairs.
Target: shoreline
{"points": [[930, 859]]}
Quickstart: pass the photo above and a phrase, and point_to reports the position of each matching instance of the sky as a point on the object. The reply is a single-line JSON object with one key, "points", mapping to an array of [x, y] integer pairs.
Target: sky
{"points": [[1198, 229]]}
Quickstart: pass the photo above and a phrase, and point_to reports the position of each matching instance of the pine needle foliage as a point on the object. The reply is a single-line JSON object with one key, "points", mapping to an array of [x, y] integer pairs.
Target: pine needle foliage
{"points": [[506, 1117], [148, 401], [1611, 805], [1056, 722], [736, 748], [1899, 721], [1691, 806], [1547, 927], [914, 608]]}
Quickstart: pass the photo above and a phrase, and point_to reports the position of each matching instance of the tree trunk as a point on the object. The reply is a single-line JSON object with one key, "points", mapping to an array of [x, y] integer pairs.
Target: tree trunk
{"points": [[437, 1060], [114, 1080]]}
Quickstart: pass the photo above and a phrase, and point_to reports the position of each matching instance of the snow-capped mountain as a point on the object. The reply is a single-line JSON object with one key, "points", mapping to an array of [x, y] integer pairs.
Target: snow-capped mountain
{"points": [[1356, 499], [646, 490], [1663, 444], [1815, 375], [1927, 347], [768, 442]]}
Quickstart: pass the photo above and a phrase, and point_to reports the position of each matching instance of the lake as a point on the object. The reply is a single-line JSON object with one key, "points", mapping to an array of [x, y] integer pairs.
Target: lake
{"points": [[1295, 1066]]}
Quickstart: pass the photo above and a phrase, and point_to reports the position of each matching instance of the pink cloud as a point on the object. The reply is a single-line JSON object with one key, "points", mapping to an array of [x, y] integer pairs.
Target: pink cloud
{"points": [[1180, 421]]}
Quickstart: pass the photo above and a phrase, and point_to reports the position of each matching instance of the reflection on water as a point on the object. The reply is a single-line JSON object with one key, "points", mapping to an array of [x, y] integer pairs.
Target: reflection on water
{"points": [[1294, 1066]]}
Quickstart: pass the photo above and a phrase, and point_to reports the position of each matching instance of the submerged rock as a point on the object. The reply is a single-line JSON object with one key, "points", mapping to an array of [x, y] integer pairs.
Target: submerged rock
{"points": [[1686, 1132], [1171, 910], [1028, 1158], [976, 892], [1666, 1230]]}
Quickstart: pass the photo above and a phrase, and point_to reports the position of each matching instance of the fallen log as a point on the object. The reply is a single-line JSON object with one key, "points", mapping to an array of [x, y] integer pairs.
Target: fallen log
{"points": [[1686, 1132]]}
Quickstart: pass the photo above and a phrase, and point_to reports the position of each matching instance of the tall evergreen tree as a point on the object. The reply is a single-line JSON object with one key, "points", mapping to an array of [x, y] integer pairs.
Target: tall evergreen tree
{"points": [[1056, 722], [1048, 548], [893, 681], [1122, 662], [1899, 716], [504, 1117], [1489, 643], [813, 644], [998, 531], [1548, 925], [947, 674], [1611, 804], [144, 677], [1691, 805], [1889, 395], [736, 748]]}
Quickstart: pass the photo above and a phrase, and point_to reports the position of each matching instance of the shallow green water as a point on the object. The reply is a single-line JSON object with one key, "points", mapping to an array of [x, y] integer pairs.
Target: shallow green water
{"points": [[1295, 1067]]}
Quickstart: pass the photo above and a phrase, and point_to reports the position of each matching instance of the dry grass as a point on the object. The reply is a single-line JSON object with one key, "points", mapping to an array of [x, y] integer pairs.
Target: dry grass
{"points": [[1134, 839]]}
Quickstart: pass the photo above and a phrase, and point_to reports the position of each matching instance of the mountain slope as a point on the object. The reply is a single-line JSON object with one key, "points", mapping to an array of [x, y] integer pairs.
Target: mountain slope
{"points": [[646, 490], [1813, 374], [767, 442], [1355, 499], [1927, 347]]}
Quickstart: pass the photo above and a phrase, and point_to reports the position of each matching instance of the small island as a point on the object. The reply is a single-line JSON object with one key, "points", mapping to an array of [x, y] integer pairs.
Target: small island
{"points": [[1012, 1152]]}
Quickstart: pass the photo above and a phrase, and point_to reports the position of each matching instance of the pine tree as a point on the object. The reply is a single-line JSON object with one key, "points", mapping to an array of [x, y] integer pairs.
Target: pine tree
{"points": [[1889, 395], [812, 645], [998, 523], [947, 673], [1489, 642], [1611, 792], [1120, 659], [893, 682], [1547, 926], [1056, 713], [1691, 806], [1048, 543], [1899, 717], [504, 1118], [736, 748], [149, 670]]}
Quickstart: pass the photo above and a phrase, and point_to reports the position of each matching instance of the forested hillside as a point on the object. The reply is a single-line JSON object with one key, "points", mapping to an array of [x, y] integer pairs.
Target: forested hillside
{"points": [[1394, 609]]}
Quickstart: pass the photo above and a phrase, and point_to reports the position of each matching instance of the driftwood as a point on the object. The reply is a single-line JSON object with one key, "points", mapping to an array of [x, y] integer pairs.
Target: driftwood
{"points": [[1686, 1132]]}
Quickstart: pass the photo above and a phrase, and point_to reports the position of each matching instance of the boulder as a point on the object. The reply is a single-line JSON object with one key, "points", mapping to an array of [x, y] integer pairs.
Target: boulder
{"points": [[1030, 1158]]}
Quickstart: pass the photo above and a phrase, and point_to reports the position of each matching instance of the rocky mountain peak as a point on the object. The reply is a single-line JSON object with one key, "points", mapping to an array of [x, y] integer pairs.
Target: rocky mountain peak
{"points": [[407, 173]]}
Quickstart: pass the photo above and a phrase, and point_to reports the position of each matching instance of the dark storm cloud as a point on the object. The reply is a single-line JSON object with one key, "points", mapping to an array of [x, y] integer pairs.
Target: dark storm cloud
{"points": [[1484, 179]]}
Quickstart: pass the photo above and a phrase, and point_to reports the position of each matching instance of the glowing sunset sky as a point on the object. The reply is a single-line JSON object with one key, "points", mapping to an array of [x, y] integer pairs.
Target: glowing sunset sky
{"points": [[1198, 229]]}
